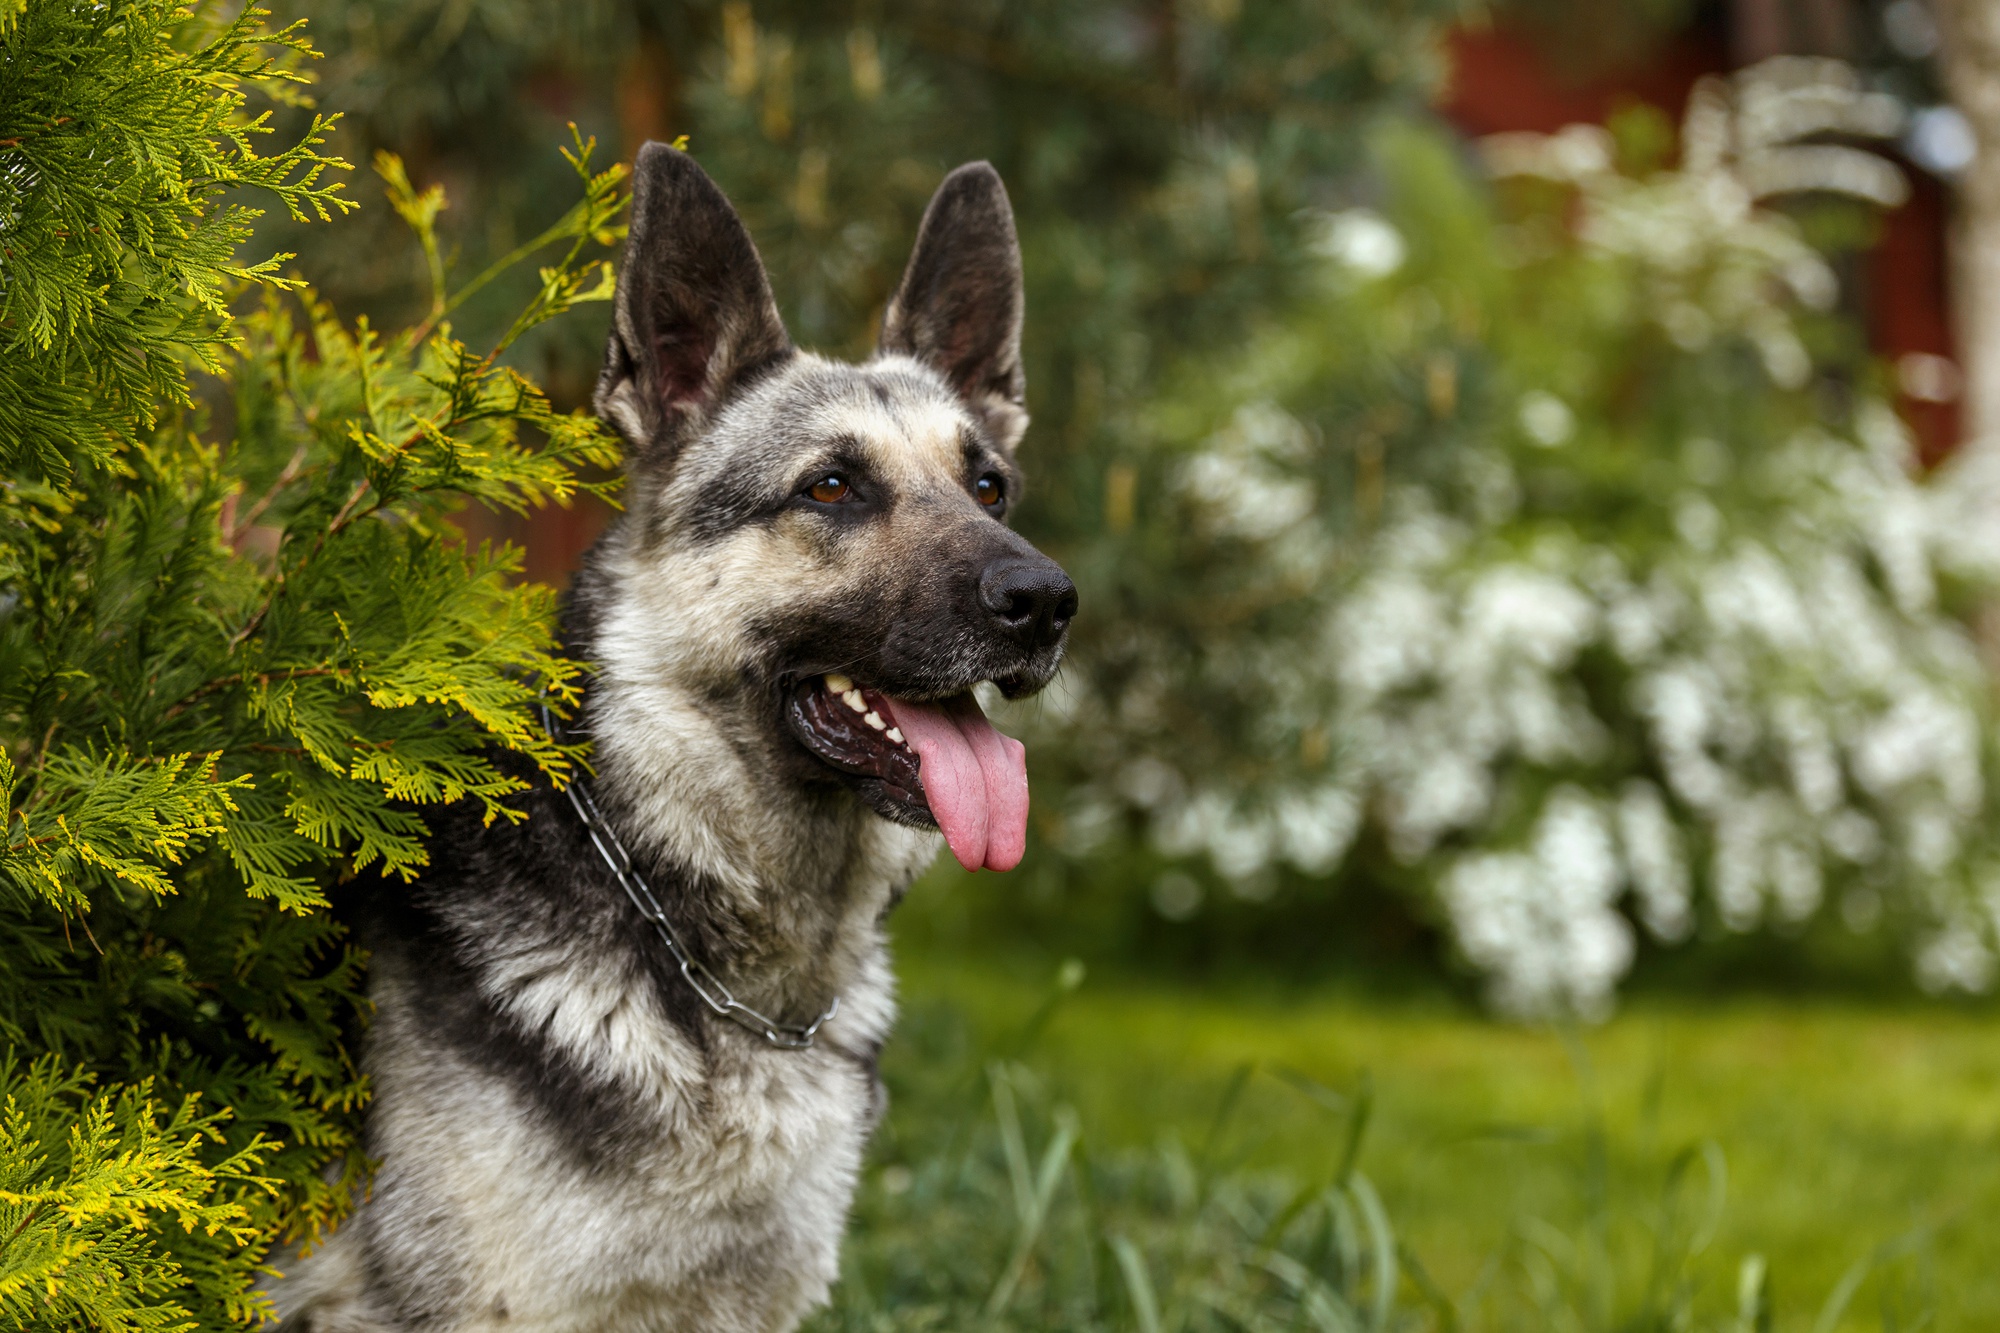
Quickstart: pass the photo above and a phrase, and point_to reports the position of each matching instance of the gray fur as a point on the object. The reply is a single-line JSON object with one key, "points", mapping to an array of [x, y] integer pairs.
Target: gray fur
{"points": [[568, 1140]]}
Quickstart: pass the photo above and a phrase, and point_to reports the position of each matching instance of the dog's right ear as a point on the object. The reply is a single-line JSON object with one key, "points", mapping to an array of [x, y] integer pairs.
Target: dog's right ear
{"points": [[693, 319]]}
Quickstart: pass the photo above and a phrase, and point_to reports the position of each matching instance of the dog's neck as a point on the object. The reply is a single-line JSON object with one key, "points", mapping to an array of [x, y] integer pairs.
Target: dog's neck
{"points": [[780, 888]]}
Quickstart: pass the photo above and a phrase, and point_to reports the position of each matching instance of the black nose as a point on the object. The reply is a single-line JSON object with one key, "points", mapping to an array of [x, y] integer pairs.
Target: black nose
{"points": [[1030, 597]]}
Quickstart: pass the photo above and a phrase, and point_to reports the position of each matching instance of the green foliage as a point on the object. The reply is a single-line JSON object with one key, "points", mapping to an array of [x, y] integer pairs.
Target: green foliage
{"points": [[336, 670], [242, 647], [114, 814], [123, 133], [93, 1190]]}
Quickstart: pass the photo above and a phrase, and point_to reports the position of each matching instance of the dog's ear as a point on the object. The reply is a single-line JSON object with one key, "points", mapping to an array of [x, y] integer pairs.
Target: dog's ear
{"points": [[959, 306], [693, 319]]}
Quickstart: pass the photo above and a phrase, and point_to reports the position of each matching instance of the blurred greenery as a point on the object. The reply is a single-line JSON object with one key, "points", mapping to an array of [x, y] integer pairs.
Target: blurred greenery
{"points": [[1154, 151], [1554, 565]]}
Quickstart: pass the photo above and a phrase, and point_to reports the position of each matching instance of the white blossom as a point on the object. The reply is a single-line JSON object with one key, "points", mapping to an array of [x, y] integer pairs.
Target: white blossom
{"points": [[1547, 419], [1659, 870], [1543, 922], [1362, 240]]}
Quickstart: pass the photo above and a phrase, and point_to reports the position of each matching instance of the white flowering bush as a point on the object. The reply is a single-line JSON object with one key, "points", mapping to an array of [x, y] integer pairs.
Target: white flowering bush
{"points": [[1767, 704], [1561, 545]]}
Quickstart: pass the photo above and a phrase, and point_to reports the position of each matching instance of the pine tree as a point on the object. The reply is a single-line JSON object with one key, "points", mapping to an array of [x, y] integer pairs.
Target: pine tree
{"points": [[241, 647]]}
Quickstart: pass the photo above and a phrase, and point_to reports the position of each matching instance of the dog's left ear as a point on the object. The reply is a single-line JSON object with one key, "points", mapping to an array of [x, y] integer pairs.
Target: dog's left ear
{"points": [[959, 306]]}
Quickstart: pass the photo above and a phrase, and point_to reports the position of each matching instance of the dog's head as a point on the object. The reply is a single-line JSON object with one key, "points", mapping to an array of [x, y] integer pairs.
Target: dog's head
{"points": [[831, 540]]}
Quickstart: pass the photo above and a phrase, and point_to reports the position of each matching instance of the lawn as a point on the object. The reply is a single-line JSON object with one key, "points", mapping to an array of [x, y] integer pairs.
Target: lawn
{"points": [[1842, 1129]]}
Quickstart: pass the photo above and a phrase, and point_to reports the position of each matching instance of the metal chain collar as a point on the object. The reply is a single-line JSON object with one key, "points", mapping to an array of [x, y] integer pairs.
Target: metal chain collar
{"points": [[785, 1036]]}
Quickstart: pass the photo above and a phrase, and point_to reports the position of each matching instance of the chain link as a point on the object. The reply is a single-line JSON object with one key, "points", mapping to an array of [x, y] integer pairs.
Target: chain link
{"points": [[785, 1036]]}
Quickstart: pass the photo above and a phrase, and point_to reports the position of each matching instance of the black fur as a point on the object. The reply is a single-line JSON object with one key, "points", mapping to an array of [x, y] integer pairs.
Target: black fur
{"points": [[489, 897]]}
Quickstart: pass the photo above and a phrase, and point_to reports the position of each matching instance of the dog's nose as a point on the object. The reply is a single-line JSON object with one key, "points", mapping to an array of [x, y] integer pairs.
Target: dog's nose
{"points": [[1031, 598]]}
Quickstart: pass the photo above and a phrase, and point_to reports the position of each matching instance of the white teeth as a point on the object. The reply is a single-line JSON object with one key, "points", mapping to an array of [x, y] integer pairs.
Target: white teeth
{"points": [[844, 687]]}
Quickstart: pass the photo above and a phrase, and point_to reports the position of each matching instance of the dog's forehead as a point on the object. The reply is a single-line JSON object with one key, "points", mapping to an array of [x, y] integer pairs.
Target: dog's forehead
{"points": [[898, 415]]}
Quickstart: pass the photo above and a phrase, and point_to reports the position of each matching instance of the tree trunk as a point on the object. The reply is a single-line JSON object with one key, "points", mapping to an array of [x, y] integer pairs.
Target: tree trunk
{"points": [[1970, 57]]}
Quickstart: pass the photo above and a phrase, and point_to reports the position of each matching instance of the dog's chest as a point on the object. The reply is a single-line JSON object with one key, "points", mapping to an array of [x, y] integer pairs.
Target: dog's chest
{"points": [[745, 1186], [679, 1186], [569, 1142]]}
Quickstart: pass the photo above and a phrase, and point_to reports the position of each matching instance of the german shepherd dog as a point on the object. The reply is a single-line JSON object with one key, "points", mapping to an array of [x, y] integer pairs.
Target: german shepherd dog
{"points": [[812, 572]]}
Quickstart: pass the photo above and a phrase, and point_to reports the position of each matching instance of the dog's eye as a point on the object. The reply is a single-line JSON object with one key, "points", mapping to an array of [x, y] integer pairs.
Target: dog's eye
{"points": [[990, 490], [830, 489]]}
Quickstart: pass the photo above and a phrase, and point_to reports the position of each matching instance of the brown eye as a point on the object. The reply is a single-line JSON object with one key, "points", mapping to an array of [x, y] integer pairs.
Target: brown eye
{"points": [[989, 490], [830, 489]]}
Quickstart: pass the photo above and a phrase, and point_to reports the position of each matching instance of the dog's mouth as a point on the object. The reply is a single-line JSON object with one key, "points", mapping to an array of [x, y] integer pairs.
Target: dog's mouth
{"points": [[940, 762]]}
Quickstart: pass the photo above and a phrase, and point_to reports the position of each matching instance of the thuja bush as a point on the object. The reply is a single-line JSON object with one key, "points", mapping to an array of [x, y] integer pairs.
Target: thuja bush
{"points": [[242, 648]]}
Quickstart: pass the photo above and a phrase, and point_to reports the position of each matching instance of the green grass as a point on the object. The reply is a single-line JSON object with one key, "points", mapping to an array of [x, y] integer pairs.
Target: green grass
{"points": [[1525, 1170]]}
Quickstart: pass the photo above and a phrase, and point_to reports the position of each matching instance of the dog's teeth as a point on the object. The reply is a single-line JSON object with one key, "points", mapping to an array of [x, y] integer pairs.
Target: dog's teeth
{"points": [[852, 698], [838, 683], [874, 719], [895, 734]]}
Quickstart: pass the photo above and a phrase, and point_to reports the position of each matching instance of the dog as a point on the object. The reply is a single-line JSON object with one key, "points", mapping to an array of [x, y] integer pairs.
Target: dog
{"points": [[639, 1099]]}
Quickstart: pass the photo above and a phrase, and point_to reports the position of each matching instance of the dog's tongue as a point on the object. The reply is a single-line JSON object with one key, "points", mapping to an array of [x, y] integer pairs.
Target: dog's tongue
{"points": [[975, 779]]}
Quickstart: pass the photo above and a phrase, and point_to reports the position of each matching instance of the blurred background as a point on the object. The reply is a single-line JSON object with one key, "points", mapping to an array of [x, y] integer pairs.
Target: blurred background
{"points": [[1530, 469]]}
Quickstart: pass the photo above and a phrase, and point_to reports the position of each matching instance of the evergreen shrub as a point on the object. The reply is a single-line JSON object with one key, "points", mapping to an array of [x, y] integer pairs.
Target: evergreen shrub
{"points": [[241, 647]]}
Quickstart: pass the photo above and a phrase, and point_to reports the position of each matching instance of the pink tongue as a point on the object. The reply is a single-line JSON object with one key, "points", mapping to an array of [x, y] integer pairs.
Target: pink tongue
{"points": [[975, 778]]}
